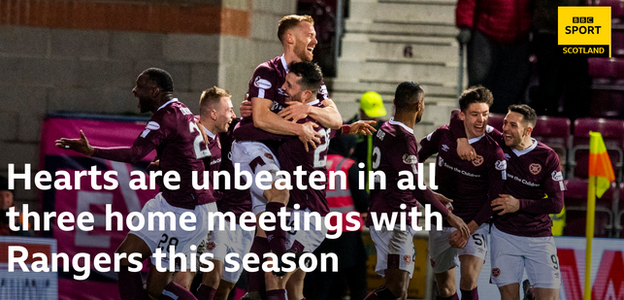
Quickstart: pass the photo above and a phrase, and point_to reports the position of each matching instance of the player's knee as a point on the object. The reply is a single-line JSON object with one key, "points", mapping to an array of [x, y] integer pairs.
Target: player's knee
{"points": [[397, 288], [446, 291], [467, 283]]}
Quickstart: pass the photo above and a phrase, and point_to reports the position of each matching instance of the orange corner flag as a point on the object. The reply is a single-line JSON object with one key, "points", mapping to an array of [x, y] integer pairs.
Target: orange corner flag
{"points": [[599, 163]]}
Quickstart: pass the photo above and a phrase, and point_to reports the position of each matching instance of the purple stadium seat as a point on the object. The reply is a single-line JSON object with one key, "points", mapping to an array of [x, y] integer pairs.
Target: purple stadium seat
{"points": [[617, 9], [554, 132], [602, 70], [576, 209], [617, 42], [619, 218], [607, 103], [613, 134], [496, 121]]}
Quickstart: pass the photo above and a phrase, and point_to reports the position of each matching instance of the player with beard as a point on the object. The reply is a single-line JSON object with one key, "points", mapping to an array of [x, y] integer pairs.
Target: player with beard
{"points": [[173, 132], [395, 150], [257, 137], [521, 238], [472, 185]]}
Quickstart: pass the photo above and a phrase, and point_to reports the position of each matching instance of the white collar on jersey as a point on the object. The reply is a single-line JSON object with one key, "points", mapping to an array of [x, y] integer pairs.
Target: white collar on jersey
{"points": [[474, 140], [284, 64], [170, 101], [519, 153], [210, 134], [315, 102], [393, 122]]}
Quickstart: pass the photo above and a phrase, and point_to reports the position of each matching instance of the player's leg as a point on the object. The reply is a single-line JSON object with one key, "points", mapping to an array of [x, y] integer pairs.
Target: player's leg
{"points": [[224, 290], [184, 279], [542, 268], [472, 257], [510, 291], [160, 286], [470, 270], [395, 261], [447, 285], [507, 263], [131, 283], [443, 260], [294, 286], [546, 294], [239, 242], [210, 281]]}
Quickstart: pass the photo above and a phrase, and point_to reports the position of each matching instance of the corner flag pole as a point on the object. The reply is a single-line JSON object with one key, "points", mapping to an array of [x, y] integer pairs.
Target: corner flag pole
{"points": [[600, 177], [589, 233]]}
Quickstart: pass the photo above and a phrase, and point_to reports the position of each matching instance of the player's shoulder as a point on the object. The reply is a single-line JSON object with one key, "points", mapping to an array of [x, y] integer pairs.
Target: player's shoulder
{"points": [[270, 66]]}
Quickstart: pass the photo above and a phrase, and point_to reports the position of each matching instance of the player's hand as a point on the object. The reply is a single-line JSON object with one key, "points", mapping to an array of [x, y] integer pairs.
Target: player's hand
{"points": [[363, 127], [80, 145], [295, 111], [456, 240], [505, 204], [245, 108], [458, 223], [308, 136], [464, 150], [153, 166], [445, 201]]}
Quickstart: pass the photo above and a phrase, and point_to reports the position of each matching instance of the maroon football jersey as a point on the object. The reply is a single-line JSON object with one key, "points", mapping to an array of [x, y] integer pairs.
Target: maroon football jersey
{"points": [[395, 150], [266, 82], [472, 185], [236, 201], [534, 178], [175, 135], [292, 154]]}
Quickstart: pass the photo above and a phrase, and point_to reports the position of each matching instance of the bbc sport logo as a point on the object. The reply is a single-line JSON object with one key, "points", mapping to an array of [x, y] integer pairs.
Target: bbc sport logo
{"points": [[584, 31]]}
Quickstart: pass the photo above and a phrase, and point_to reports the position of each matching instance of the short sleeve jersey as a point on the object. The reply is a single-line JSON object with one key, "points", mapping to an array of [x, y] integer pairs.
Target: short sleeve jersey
{"points": [[394, 151], [472, 185], [266, 82], [180, 147], [292, 154]]}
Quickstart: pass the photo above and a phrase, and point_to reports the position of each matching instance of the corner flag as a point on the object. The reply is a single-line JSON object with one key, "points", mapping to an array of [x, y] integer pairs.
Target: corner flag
{"points": [[599, 163], [600, 177]]}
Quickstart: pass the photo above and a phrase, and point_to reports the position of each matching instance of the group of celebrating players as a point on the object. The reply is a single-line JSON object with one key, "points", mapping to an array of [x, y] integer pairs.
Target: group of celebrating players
{"points": [[506, 183]]}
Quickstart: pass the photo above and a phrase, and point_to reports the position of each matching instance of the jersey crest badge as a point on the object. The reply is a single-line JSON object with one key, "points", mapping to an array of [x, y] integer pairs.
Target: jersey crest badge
{"points": [[496, 272], [259, 82], [535, 168], [478, 161], [407, 259]]}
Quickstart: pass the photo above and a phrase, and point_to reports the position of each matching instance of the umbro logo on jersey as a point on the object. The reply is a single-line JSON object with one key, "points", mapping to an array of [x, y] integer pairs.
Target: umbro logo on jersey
{"points": [[535, 168], [507, 157], [445, 147]]}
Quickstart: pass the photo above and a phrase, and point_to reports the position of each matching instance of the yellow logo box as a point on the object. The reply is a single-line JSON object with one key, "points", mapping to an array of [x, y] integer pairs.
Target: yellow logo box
{"points": [[585, 27]]}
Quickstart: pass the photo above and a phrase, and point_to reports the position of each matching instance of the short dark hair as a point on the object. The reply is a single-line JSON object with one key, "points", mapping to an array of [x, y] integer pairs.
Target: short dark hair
{"points": [[310, 73], [290, 22], [407, 95], [161, 77], [528, 113], [210, 97], [475, 94]]}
